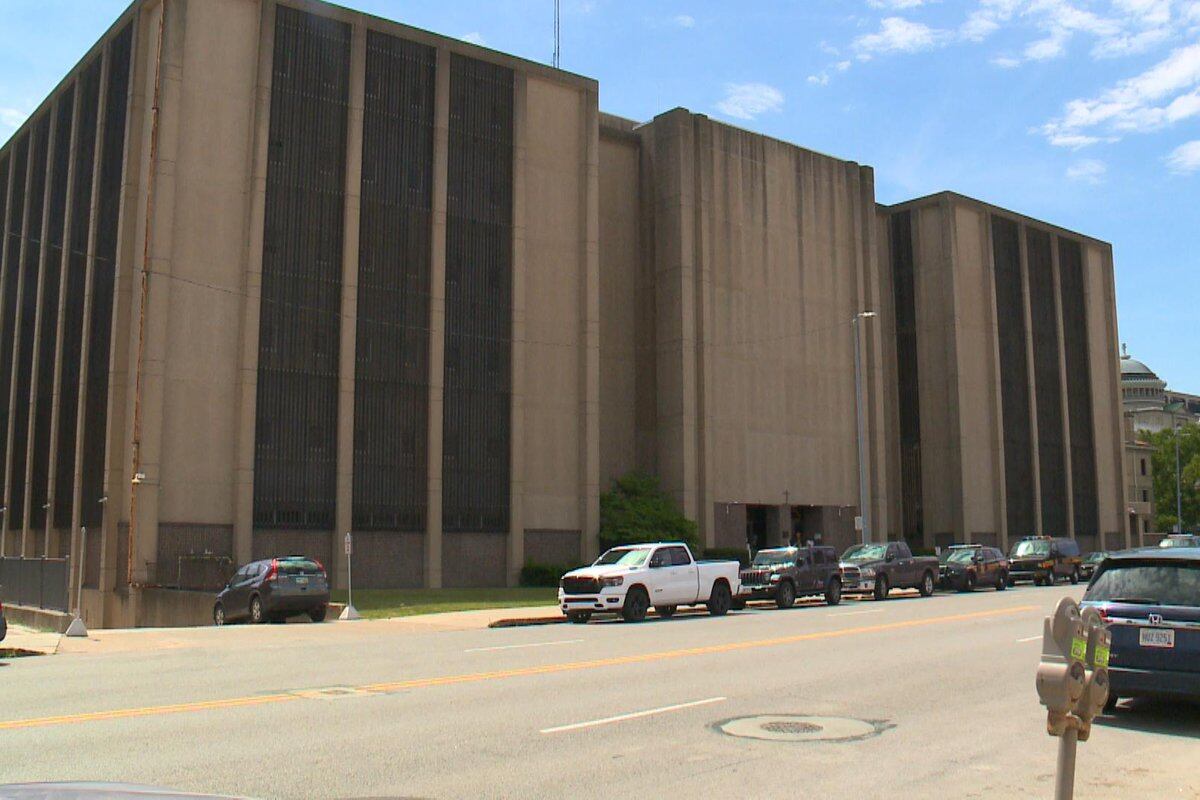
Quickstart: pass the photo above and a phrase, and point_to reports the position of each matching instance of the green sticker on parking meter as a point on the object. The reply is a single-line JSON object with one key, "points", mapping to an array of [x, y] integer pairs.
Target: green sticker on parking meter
{"points": [[1078, 648], [1102, 655]]}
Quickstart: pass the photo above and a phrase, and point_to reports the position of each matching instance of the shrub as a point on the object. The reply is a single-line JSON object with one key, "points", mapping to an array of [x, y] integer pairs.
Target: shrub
{"points": [[636, 510], [533, 574]]}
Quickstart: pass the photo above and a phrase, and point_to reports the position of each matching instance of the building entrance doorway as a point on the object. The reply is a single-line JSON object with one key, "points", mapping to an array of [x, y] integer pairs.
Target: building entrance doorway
{"points": [[756, 527]]}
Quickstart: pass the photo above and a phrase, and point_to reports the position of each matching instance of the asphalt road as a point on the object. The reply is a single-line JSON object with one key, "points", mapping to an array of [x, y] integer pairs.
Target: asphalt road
{"points": [[937, 696]]}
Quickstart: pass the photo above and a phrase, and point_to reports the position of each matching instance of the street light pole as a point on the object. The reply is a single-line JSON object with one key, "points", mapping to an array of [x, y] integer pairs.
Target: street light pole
{"points": [[1178, 494], [864, 508]]}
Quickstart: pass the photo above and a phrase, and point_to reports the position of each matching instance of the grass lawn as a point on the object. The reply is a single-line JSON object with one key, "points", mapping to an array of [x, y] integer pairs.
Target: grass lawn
{"points": [[383, 603]]}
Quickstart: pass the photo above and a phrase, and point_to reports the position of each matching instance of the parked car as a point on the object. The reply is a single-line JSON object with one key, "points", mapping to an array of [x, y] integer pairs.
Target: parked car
{"points": [[1044, 559], [784, 573], [878, 568], [1151, 600], [628, 580], [3, 624], [965, 566], [1088, 567], [1180, 540], [274, 589]]}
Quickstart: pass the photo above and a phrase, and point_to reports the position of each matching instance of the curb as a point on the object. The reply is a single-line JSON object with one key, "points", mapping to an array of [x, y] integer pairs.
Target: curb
{"points": [[527, 621]]}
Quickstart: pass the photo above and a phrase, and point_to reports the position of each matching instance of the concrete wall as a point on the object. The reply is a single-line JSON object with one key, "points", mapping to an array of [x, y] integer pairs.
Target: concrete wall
{"points": [[760, 249]]}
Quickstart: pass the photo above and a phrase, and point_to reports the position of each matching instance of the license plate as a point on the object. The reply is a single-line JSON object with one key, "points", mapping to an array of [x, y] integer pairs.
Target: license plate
{"points": [[302, 580], [1156, 637]]}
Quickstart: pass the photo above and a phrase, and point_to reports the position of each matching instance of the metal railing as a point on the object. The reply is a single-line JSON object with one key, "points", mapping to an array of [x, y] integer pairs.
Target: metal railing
{"points": [[35, 582]]}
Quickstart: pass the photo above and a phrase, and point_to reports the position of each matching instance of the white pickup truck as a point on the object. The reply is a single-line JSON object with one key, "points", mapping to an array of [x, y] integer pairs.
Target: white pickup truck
{"points": [[628, 580]]}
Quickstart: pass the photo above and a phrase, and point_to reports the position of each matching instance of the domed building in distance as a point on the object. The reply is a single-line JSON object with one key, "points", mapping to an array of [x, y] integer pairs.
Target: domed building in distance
{"points": [[1145, 396]]}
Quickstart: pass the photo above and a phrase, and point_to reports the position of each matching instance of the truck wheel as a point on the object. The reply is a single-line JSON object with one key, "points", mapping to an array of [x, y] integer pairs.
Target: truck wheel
{"points": [[833, 592], [968, 583], [665, 612], [579, 617], [637, 603], [720, 600], [927, 585], [1002, 582], [738, 604], [785, 595], [881, 587], [1075, 576]]}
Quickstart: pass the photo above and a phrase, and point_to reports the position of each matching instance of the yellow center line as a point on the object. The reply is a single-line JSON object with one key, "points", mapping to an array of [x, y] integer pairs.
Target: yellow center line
{"points": [[477, 677]]}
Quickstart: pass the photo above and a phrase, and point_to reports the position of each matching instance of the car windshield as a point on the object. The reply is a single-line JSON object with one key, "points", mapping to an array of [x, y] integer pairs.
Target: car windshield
{"points": [[865, 552], [1148, 583], [624, 556], [771, 558], [1031, 548], [961, 556]]}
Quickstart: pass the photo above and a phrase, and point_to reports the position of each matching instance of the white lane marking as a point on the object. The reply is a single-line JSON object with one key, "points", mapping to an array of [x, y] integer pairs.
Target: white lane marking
{"points": [[856, 613], [634, 715], [1029, 638], [516, 646]]}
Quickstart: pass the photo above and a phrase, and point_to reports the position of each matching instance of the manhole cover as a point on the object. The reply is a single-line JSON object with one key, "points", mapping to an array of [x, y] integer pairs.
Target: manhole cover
{"points": [[795, 728]]}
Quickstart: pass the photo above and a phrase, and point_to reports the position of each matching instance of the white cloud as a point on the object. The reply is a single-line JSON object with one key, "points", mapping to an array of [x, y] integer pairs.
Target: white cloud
{"points": [[12, 118], [1073, 140], [897, 4], [685, 21], [748, 100], [1088, 170], [830, 50], [1006, 62], [474, 37], [842, 66], [979, 26], [898, 35], [820, 79], [1185, 159], [1052, 46], [1165, 94], [1129, 44]]}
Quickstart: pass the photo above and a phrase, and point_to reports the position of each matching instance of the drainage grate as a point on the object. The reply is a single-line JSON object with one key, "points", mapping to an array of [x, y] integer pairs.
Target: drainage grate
{"points": [[797, 728]]}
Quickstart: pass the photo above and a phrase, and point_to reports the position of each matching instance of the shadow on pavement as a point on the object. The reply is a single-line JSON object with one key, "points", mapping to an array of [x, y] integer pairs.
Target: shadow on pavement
{"points": [[1170, 717]]}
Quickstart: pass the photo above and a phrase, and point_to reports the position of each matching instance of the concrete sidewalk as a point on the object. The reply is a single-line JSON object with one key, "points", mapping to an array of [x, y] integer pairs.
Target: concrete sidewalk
{"points": [[127, 640]]}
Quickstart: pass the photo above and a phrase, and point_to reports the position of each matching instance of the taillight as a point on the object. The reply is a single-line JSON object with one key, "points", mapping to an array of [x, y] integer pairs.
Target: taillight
{"points": [[320, 566], [272, 570]]}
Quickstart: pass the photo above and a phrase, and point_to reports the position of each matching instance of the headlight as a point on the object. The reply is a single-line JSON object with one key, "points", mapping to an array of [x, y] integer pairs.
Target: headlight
{"points": [[867, 572], [615, 580], [775, 577], [1047, 564]]}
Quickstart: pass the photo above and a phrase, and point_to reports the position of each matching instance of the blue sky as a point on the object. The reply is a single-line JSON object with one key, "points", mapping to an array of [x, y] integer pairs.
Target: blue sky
{"points": [[1085, 113]]}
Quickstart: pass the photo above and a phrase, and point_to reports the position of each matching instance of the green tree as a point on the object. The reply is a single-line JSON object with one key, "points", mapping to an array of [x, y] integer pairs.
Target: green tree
{"points": [[636, 509], [1163, 461]]}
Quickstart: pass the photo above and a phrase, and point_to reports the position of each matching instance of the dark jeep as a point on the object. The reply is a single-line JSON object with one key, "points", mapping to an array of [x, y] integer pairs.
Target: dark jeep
{"points": [[1044, 559], [784, 573], [965, 566]]}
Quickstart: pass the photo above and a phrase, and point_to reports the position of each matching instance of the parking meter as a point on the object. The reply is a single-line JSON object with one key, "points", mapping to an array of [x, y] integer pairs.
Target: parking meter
{"points": [[1095, 692], [1061, 676]]}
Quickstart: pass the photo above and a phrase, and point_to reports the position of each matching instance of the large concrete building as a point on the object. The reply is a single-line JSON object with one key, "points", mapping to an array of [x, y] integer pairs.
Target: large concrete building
{"points": [[275, 270]]}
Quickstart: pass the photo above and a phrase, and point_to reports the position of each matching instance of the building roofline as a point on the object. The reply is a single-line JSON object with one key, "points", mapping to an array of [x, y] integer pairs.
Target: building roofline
{"points": [[957, 197]]}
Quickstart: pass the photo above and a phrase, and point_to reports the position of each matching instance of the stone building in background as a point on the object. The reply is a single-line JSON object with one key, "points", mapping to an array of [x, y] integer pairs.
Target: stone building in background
{"points": [[408, 287]]}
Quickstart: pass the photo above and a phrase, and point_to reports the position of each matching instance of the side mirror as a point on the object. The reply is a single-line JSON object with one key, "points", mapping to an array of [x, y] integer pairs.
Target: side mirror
{"points": [[890, 557]]}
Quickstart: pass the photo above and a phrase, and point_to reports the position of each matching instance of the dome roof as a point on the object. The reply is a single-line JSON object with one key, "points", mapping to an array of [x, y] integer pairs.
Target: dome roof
{"points": [[1132, 368]]}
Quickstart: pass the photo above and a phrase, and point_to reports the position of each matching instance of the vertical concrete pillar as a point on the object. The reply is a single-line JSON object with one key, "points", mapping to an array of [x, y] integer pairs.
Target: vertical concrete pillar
{"points": [[516, 508], [158, 186], [702, 286], [107, 578], [52, 536], [1035, 459], [344, 514], [31, 185], [28, 541], [1069, 489], [675, 326], [589, 357], [5, 266], [437, 319], [999, 494], [256, 185]]}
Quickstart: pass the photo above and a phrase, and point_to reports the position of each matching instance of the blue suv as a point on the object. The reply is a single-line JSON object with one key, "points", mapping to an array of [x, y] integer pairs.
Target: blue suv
{"points": [[1151, 599]]}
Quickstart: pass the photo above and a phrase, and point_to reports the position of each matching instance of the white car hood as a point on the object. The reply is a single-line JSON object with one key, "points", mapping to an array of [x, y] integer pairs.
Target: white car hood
{"points": [[599, 571]]}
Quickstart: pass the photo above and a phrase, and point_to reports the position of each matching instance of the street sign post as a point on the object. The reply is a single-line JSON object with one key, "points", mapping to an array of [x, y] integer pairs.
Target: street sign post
{"points": [[349, 612]]}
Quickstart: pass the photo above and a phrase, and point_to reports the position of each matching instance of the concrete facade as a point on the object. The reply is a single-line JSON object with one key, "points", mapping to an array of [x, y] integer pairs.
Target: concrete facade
{"points": [[675, 297]]}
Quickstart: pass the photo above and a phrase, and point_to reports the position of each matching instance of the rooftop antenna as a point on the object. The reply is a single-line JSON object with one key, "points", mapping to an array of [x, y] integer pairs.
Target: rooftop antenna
{"points": [[557, 39]]}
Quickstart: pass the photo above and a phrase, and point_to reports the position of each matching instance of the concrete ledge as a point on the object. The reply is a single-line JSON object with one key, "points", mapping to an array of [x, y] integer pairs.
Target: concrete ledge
{"points": [[39, 618], [522, 622]]}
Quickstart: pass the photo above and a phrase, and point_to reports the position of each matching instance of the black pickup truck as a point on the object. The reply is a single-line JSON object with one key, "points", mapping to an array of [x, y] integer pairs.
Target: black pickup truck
{"points": [[784, 573], [878, 567]]}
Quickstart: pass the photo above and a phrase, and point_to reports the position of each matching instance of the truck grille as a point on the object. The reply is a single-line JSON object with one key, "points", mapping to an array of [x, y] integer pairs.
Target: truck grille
{"points": [[850, 574], [580, 585], [755, 576]]}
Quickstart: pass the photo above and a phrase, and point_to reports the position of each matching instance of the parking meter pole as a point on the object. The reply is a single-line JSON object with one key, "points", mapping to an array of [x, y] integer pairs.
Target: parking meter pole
{"points": [[1064, 781], [349, 612], [77, 628]]}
